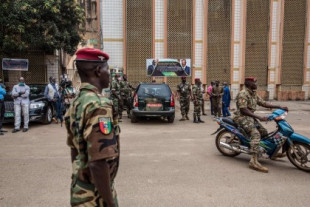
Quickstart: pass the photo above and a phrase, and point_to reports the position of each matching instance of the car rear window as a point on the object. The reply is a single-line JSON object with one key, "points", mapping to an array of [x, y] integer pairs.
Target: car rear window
{"points": [[154, 90]]}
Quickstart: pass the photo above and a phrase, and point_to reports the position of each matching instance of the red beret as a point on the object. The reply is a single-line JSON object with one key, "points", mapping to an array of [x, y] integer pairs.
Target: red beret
{"points": [[250, 78], [91, 54], [196, 79]]}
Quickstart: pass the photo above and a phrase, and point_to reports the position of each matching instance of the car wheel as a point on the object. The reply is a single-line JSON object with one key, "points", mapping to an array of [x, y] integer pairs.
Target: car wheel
{"points": [[170, 119], [48, 115]]}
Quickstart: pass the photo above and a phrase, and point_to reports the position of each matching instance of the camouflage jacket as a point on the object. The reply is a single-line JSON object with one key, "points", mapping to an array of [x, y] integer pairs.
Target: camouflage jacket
{"points": [[93, 131], [217, 92], [115, 85], [197, 93], [125, 88], [184, 90], [247, 99]]}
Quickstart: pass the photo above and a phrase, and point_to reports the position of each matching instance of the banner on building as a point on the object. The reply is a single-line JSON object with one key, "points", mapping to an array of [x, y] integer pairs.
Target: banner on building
{"points": [[168, 67], [15, 64]]}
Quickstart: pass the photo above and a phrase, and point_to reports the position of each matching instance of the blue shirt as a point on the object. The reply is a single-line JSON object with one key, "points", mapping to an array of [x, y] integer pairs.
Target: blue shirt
{"points": [[226, 96], [2, 93]]}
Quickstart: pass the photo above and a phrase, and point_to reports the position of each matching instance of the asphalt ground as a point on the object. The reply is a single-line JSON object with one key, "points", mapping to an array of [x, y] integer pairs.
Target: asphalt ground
{"points": [[162, 164]]}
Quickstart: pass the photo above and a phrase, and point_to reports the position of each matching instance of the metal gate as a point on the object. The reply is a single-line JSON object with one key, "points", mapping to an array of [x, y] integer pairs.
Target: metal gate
{"points": [[293, 42], [179, 40], [256, 51], [219, 40], [138, 39]]}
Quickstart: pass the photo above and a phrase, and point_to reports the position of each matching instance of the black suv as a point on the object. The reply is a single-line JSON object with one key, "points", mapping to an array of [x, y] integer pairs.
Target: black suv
{"points": [[39, 109], [153, 100]]}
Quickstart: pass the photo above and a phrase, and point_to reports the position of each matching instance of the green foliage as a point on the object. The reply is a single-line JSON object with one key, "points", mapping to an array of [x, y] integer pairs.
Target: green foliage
{"points": [[43, 24]]}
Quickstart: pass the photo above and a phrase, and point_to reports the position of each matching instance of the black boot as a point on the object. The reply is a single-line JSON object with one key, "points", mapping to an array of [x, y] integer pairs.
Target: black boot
{"points": [[195, 119], [199, 120]]}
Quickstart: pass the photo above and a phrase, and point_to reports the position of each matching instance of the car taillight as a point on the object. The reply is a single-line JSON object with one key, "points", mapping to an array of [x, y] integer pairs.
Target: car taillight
{"points": [[172, 103], [135, 101]]}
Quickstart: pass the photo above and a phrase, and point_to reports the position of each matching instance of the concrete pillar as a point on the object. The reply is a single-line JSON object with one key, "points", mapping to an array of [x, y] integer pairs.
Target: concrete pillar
{"points": [[159, 26], [52, 66], [275, 46], [238, 38], [306, 82], [113, 25], [199, 40]]}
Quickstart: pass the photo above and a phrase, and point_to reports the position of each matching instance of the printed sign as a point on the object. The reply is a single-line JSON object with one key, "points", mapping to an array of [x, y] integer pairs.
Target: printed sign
{"points": [[168, 67], [15, 64]]}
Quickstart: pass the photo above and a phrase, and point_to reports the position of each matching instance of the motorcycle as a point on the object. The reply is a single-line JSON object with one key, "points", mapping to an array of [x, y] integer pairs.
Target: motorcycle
{"points": [[231, 140]]}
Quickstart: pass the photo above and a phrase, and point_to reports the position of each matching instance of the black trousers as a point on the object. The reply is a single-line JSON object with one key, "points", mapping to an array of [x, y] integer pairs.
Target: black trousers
{"points": [[2, 109], [212, 105]]}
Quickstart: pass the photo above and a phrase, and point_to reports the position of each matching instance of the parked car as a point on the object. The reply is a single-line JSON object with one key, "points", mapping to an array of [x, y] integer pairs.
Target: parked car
{"points": [[153, 100], [40, 109]]}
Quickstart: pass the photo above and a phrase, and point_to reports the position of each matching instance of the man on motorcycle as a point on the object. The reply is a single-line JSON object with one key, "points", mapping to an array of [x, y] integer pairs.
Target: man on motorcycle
{"points": [[247, 101]]}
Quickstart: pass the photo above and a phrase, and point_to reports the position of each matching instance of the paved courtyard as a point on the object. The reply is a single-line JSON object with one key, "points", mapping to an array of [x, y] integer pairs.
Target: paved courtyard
{"points": [[161, 165]]}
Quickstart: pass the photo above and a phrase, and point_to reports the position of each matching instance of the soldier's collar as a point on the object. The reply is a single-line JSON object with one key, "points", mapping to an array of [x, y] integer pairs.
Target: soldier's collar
{"points": [[90, 87]]}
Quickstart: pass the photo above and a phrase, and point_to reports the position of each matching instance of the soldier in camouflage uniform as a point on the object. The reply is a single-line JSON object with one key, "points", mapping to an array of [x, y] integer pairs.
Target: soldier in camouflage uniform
{"points": [[217, 93], [116, 98], [126, 91], [197, 98], [93, 134], [184, 92], [247, 101]]}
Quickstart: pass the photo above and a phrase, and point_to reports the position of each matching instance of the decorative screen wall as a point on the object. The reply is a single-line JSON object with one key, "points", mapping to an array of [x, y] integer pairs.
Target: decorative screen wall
{"points": [[219, 40], [37, 71], [179, 32], [256, 50], [139, 39], [293, 42]]}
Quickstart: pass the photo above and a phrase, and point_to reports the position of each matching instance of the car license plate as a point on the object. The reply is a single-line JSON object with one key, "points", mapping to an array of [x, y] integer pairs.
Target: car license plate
{"points": [[8, 114], [151, 105]]}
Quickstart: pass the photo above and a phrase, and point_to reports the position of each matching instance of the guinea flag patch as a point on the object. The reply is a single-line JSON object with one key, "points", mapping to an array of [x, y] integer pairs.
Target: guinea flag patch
{"points": [[105, 125]]}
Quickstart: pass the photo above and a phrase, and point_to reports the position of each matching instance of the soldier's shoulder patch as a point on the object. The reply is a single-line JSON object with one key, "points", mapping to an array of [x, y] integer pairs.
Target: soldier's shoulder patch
{"points": [[105, 124]]}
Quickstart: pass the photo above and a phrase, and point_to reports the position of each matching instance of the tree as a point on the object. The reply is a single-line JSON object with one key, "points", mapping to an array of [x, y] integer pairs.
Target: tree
{"points": [[40, 24]]}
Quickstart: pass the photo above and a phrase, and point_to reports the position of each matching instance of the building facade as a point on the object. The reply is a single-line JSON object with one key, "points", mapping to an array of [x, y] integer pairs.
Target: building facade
{"points": [[225, 39]]}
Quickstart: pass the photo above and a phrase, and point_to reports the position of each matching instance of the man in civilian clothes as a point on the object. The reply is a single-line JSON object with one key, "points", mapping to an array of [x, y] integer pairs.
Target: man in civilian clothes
{"points": [[209, 91], [226, 100], [20, 95], [52, 94], [2, 108]]}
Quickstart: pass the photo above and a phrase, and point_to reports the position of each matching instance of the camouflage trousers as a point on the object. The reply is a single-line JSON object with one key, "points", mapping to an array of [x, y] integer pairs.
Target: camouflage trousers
{"points": [[217, 106], [253, 129], [125, 103], [117, 106], [184, 105], [197, 108], [86, 195]]}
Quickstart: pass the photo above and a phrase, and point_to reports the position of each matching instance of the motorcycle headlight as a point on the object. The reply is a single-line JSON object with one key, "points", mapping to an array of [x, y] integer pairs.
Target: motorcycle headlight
{"points": [[37, 105]]}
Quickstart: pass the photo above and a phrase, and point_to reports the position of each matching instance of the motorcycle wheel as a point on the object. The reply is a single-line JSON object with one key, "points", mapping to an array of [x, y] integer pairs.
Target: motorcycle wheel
{"points": [[229, 138], [299, 156]]}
